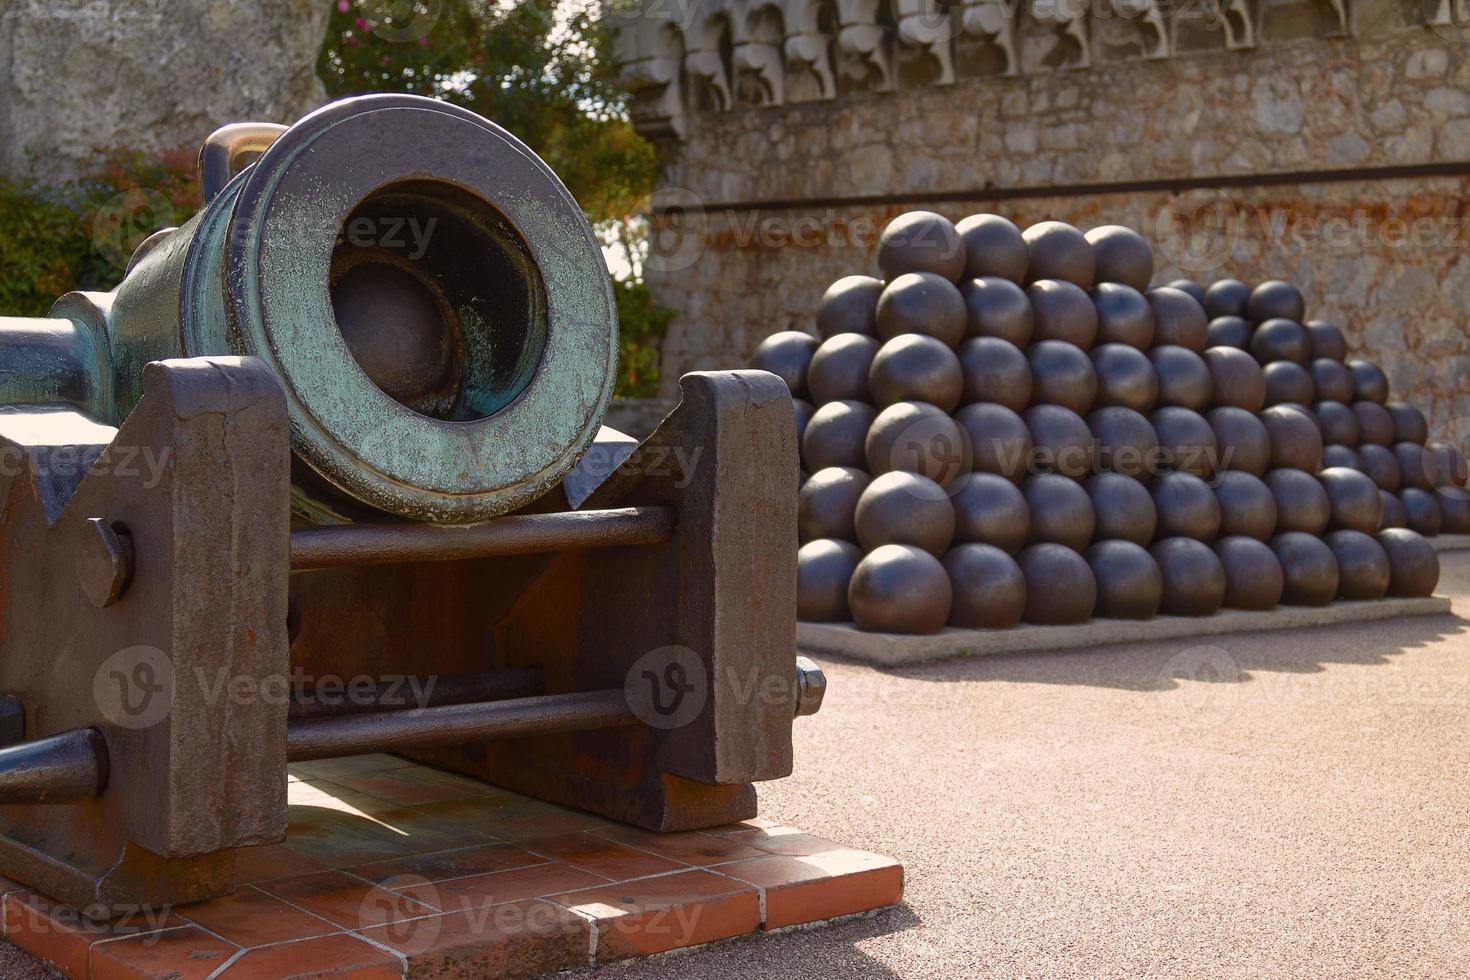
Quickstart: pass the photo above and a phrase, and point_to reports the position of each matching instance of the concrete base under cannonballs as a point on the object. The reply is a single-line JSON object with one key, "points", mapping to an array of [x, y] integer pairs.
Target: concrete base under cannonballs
{"points": [[1450, 542], [895, 650]]}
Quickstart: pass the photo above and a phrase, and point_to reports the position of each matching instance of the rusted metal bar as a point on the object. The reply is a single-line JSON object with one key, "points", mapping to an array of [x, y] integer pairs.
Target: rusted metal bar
{"points": [[433, 691], [394, 731], [520, 534], [57, 769]]}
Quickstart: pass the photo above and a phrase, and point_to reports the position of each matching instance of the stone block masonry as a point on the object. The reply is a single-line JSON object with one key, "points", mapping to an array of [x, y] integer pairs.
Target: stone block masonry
{"points": [[77, 76], [1332, 149]]}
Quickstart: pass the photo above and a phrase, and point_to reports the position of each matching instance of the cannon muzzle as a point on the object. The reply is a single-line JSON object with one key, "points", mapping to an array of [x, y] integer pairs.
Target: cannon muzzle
{"points": [[427, 291]]}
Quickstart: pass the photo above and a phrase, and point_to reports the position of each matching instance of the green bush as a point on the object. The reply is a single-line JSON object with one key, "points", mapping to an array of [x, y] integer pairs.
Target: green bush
{"points": [[79, 234], [642, 324]]}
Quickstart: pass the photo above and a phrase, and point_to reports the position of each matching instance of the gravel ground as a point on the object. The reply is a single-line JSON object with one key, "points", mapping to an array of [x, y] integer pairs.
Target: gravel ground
{"points": [[1271, 804]]}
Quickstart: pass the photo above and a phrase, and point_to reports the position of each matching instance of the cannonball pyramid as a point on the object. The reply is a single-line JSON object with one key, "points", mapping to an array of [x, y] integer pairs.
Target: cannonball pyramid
{"points": [[1016, 427]]}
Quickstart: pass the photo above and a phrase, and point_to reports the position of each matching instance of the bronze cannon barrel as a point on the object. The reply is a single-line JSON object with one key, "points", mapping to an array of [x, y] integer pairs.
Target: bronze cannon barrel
{"points": [[425, 288]]}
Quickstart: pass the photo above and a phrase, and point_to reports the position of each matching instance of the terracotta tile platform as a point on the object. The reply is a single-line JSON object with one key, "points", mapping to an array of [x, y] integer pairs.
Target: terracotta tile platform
{"points": [[394, 870]]}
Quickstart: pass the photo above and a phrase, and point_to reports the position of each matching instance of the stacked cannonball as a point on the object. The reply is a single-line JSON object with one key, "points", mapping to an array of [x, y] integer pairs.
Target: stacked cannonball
{"points": [[1014, 427]]}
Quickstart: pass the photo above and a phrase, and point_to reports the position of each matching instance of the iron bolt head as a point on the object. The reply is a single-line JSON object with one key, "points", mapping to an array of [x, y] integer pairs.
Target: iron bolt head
{"points": [[104, 561], [811, 685]]}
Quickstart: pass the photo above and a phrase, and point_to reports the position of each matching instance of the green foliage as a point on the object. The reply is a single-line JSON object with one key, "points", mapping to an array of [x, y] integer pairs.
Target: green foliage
{"points": [[642, 326], [79, 234], [543, 69]]}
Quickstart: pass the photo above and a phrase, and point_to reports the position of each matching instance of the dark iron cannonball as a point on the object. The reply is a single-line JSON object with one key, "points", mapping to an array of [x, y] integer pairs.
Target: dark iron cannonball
{"points": [[839, 368], [1288, 382], [1375, 425], [914, 367], [988, 589], [1413, 565], [1062, 310], [1060, 588], [996, 307], [1184, 378], [1186, 506], [1123, 316], [1296, 442], [1417, 468], [1452, 465], [1328, 343], [1302, 503], [921, 302], [993, 247], [1369, 381], [1059, 251], [1194, 579], [989, 509], [1409, 424], [824, 570], [1281, 340], [1362, 565], [1336, 455], [1339, 424], [1422, 512], [804, 412], [1229, 331], [900, 589], [1124, 442], [1129, 583], [1194, 289], [1393, 511], [1186, 441], [904, 508], [1061, 374], [1178, 318], [828, 501], [1308, 568], [1275, 299], [1236, 379], [995, 370], [921, 241], [1333, 381], [1253, 578], [1247, 506], [850, 305], [836, 435], [1125, 377], [1353, 499], [1454, 509], [1122, 508], [999, 440], [1061, 511], [1061, 442], [917, 437], [1241, 440], [1381, 465], [1226, 297], [1123, 255], [787, 355]]}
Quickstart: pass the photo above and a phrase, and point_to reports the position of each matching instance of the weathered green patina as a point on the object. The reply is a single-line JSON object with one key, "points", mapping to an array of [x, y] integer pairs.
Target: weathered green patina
{"points": [[491, 289]]}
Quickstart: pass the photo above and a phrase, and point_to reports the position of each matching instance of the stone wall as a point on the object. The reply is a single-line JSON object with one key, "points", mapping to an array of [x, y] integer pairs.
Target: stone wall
{"points": [[1333, 149], [77, 75]]}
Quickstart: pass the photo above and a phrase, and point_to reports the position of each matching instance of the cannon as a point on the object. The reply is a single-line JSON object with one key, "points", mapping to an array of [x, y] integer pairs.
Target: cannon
{"points": [[341, 429]]}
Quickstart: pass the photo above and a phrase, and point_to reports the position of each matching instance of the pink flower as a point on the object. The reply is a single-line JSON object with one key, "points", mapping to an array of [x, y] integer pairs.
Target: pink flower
{"points": [[343, 6], [423, 42], [361, 24]]}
